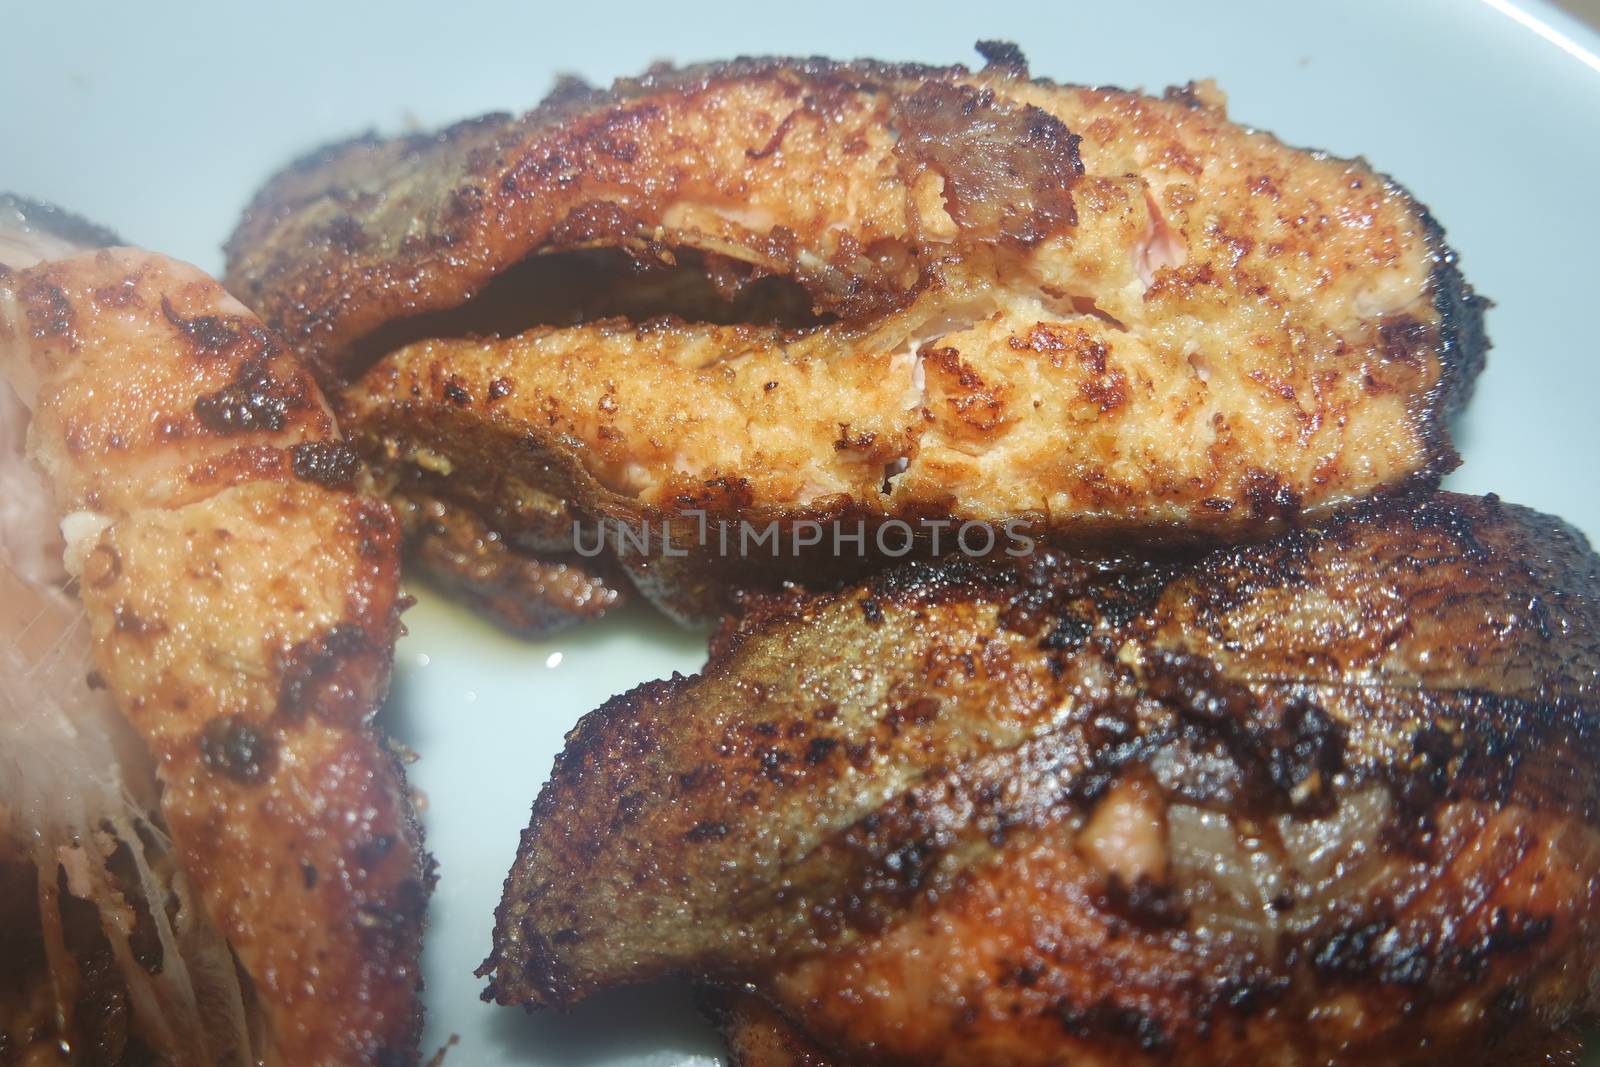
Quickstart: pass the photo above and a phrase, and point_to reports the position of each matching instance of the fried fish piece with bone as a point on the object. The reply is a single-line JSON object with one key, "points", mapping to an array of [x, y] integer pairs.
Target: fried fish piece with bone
{"points": [[241, 597], [1329, 799], [900, 292]]}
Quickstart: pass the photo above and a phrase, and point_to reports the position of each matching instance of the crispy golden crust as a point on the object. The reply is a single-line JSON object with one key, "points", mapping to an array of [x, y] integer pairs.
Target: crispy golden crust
{"points": [[243, 598], [790, 166], [154, 387], [1102, 313], [1327, 800]]}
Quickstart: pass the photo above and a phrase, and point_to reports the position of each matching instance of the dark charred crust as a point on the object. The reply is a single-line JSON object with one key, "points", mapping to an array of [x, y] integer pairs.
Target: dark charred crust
{"points": [[235, 747], [1287, 755], [210, 334], [1199, 690], [569, 89], [1405, 338], [1145, 903], [412, 893], [1004, 54], [1269, 497], [49, 312], [378, 531], [1108, 1018], [326, 463], [1068, 633], [255, 401], [1461, 350], [318, 674], [1386, 951], [1306, 751], [1464, 344], [818, 749]]}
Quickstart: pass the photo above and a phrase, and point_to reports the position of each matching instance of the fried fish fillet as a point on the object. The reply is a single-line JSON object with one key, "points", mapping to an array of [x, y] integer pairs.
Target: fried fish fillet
{"points": [[1329, 799], [241, 595], [776, 290]]}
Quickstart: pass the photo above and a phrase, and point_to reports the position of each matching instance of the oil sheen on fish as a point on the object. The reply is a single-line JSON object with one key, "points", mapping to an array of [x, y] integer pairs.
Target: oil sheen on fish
{"points": [[239, 587], [1324, 800], [788, 291]]}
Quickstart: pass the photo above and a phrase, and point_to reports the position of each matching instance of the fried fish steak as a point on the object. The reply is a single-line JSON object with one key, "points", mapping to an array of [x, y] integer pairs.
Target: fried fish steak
{"points": [[242, 596], [798, 290], [1328, 799]]}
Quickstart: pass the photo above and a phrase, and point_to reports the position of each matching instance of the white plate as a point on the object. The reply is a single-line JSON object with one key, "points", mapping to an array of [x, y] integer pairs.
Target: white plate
{"points": [[160, 120]]}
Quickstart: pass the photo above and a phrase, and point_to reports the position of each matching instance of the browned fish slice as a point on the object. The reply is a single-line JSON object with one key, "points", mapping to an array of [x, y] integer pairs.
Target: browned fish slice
{"points": [[241, 588], [892, 293], [1329, 799], [769, 166]]}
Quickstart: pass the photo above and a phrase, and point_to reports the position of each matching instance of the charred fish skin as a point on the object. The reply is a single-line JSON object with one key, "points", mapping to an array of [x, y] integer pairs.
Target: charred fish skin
{"points": [[1101, 314], [241, 587], [1326, 799]]}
